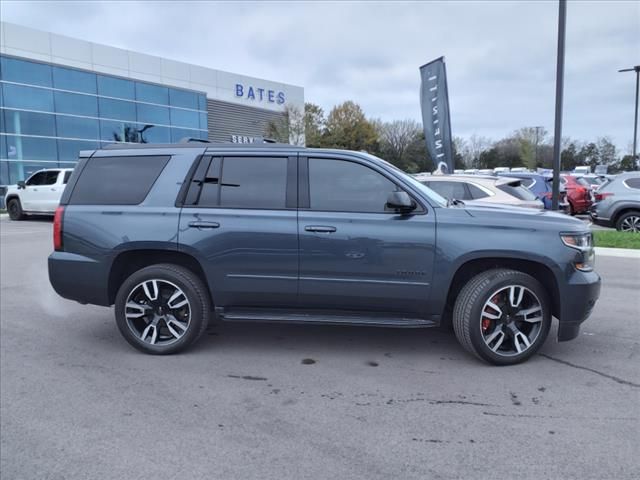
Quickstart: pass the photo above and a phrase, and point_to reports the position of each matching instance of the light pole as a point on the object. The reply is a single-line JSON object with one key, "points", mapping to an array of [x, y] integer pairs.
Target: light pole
{"points": [[635, 117], [562, 21]]}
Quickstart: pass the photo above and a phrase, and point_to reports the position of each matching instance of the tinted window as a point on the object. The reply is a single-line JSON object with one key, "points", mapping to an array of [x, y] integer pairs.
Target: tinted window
{"points": [[185, 118], [69, 149], [518, 191], [21, 71], [51, 177], [77, 127], [117, 109], [339, 185], [210, 182], [76, 80], [117, 180], [30, 98], [67, 175], [29, 123], [527, 182], [581, 181], [116, 87], [32, 148], [182, 98], [146, 92], [119, 131], [76, 104], [253, 182], [476, 192], [450, 190], [153, 114], [633, 182], [37, 179]]}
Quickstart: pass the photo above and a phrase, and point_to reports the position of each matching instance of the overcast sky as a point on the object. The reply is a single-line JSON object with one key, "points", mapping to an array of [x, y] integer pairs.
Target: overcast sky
{"points": [[500, 55]]}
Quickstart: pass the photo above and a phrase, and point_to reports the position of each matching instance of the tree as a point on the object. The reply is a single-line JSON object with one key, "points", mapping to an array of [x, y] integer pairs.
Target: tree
{"points": [[569, 157], [608, 154], [589, 155], [289, 127], [314, 124], [348, 128], [473, 148], [395, 138]]}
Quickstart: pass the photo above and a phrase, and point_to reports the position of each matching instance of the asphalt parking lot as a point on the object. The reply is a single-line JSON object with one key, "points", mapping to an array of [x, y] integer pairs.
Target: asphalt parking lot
{"points": [[280, 402]]}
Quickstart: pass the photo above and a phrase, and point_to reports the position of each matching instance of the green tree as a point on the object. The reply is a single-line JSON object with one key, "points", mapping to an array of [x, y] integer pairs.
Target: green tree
{"points": [[314, 125], [289, 127], [395, 138], [347, 127]]}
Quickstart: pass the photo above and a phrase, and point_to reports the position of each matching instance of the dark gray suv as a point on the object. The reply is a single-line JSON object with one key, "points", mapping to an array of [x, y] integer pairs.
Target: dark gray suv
{"points": [[176, 236]]}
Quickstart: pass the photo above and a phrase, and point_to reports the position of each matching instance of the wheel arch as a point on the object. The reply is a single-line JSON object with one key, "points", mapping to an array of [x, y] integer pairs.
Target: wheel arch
{"points": [[470, 268], [130, 261], [622, 210]]}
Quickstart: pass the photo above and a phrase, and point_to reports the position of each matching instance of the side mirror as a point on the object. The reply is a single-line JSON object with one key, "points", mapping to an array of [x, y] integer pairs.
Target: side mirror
{"points": [[21, 184], [401, 201]]}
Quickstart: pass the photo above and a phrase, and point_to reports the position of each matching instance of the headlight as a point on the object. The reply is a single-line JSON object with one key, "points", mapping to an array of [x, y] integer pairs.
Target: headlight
{"points": [[577, 240], [583, 243]]}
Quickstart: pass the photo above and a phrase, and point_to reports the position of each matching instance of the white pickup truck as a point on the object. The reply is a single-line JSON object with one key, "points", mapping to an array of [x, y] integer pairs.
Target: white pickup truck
{"points": [[39, 194]]}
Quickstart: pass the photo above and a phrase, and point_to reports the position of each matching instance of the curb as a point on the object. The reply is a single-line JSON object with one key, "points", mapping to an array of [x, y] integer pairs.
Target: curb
{"points": [[617, 252]]}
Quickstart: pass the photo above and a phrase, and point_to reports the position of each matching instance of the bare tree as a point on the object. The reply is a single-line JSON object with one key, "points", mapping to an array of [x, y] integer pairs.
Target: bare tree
{"points": [[474, 148], [396, 137], [288, 127]]}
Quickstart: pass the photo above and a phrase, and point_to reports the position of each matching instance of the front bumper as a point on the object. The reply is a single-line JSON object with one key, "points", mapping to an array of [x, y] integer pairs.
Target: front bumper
{"points": [[579, 296]]}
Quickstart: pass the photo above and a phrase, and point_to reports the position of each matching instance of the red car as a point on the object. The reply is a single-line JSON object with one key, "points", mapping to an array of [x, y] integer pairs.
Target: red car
{"points": [[579, 193]]}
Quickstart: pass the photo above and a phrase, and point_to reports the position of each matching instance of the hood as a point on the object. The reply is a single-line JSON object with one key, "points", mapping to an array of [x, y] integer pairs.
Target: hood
{"points": [[518, 217]]}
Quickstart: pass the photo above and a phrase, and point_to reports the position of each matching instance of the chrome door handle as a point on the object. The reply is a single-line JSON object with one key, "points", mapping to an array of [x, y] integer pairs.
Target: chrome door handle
{"points": [[200, 224], [320, 228]]}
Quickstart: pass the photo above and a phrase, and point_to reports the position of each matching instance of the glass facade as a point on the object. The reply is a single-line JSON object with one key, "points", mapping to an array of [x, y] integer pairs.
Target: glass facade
{"points": [[48, 113]]}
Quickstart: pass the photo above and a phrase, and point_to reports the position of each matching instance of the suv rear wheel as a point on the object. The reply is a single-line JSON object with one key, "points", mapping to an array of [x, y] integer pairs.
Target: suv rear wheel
{"points": [[15, 209], [502, 316], [162, 309], [629, 222]]}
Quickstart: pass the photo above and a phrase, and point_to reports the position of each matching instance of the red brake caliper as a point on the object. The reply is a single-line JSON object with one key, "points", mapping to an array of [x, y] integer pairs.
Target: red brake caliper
{"points": [[486, 322]]}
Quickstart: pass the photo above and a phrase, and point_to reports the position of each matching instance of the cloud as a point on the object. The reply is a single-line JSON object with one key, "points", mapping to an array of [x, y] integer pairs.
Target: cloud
{"points": [[500, 55]]}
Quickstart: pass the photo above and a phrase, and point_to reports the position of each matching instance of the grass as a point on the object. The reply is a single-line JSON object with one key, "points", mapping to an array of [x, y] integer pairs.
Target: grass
{"points": [[615, 239]]}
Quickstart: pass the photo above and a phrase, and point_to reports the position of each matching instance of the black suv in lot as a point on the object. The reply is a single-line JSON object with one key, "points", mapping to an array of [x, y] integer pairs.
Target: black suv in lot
{"points": [[176, 236]]}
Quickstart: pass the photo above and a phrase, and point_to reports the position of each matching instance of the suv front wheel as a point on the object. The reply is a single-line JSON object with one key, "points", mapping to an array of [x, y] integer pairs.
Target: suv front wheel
{"points": [[502, 316], [15, 209], [162, 309]]}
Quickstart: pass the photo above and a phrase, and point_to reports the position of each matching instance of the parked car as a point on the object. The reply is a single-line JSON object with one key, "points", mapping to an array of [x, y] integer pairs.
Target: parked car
{"points": [[176, 236], [594, 181], [39, 194], [579, 194], [618, 203], [484, 189], [542, 187], [582, 170]]}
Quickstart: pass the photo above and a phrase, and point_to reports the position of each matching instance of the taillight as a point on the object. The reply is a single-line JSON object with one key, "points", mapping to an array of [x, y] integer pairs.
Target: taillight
{"points": [[57, 229], [602, 195]]}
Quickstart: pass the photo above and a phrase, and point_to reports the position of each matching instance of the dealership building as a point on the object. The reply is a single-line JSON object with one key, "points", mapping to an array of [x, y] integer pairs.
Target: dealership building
{"points": [[60, 95]]}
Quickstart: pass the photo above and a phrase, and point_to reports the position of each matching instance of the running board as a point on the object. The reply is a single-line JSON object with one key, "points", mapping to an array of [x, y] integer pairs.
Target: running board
{"points": [[237, 315]]}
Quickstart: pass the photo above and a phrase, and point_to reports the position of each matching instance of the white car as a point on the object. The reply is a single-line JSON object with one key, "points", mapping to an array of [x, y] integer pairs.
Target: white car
{"points": [[39, 194]]}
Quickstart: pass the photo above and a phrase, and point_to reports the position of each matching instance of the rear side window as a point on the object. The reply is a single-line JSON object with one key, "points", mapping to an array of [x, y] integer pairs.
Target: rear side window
{"points": [[450, 190], [476, 192], [67, 175], [518, 191], [527, 182], [117, 180], [633, 183], [239, 182]]}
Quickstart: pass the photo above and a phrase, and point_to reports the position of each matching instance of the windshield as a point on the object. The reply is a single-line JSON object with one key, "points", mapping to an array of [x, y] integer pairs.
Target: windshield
{"points": [[437, 199], [582, 182]]}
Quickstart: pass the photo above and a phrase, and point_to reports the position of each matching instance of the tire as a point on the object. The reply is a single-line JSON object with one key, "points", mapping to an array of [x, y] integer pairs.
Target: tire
{"points": [[474, 329], [14, 207], [629, 222], [163, 325]]}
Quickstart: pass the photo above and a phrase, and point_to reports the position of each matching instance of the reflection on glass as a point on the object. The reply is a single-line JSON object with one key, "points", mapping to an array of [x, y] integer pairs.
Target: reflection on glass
{"points": [[117, 109], [77, 127], [185, 118], [75, 80], [116, 87], [68, 149], [22, 71], [28, 123], [29, 98], [145, 92], [76, 104]]}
